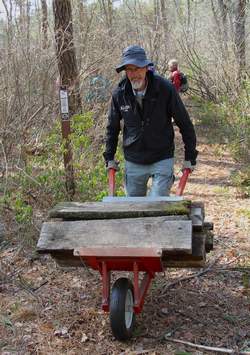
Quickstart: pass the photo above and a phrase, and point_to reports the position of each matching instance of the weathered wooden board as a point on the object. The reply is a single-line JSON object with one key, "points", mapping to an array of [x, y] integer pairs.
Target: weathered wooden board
{"points": [[196, 259], [65, 258], [141, 199], [197, 215], [109, 210], [115, 252], [165, 233]]}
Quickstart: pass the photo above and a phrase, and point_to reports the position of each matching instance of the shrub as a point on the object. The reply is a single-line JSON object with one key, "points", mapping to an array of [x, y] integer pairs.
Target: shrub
{"points": [[229, 122]]}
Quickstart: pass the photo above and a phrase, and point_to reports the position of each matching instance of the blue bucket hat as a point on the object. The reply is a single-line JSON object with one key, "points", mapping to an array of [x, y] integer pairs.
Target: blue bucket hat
{"points": [[133, 55]]}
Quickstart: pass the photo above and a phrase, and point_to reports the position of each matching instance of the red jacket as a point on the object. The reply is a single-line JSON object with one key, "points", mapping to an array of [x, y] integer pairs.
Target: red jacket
{"points": [[176, 79]]}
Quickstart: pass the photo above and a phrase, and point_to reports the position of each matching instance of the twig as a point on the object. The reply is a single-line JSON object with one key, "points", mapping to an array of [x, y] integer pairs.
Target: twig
{"points": [[208, 348], [4, 245], [18, 282], [21, 283], [189, 277], [6, 167], [34, 289], [89, 271], [136, 352], [27, 175], [233, 269], [35, 113]]}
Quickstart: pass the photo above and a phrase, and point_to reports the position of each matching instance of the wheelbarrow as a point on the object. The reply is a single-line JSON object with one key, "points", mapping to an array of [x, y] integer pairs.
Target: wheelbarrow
{"points": [[142, 235]]}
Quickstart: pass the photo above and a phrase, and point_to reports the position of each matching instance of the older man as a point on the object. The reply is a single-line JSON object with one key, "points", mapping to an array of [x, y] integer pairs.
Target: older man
{"points": [[146, 103]]}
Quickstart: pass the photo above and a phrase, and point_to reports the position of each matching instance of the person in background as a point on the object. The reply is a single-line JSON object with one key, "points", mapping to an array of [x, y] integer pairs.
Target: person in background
{"points": [[146, 103], [174, 75], [98, 88]]}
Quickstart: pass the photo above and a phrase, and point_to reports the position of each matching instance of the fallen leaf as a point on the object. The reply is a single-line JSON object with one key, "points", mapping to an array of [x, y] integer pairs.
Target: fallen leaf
{"points": [[164, 311], [63, 332], [84, 338], [25, 314]]}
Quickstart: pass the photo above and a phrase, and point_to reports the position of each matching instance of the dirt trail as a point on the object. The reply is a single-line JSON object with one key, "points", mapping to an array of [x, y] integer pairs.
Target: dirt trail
{"points": [[48, 310]]}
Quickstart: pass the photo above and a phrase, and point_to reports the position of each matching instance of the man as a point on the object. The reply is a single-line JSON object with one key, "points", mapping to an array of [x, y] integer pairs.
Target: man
{"points": [[175, 75], [146, 103]]}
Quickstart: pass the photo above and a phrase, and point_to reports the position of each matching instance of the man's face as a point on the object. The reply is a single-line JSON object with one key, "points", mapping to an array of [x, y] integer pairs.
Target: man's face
{"points": [[137, 76]]}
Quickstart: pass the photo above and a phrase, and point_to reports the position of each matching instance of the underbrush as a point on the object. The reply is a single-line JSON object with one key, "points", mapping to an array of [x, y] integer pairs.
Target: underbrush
{"points": [[40, 184], [229, 125], [241, 179]]}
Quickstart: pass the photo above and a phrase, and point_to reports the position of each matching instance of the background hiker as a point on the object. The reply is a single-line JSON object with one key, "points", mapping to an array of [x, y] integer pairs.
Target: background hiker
{"points": [[174, 74]]}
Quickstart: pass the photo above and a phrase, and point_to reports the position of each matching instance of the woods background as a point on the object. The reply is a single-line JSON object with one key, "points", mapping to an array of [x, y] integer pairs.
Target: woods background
{"points": [[45, 309], [48, 44]]}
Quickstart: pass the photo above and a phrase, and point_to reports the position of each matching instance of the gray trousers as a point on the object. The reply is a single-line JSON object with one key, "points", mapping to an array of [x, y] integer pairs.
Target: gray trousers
{"points": [[138, 175]]}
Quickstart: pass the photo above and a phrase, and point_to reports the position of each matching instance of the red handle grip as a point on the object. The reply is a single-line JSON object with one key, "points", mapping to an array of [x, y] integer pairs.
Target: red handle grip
{"points": [[182, 182], [111, 177]]}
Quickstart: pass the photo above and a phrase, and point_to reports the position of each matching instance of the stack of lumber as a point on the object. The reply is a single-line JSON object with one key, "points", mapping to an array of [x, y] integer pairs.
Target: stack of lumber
{"points": [[176, 228]]}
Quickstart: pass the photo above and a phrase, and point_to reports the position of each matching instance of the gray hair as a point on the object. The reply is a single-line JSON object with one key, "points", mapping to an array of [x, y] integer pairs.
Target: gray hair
{"points": [[173, 62]]}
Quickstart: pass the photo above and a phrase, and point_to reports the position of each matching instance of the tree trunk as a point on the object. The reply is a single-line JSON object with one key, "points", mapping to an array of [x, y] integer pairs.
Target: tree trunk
{"points": [[44, 24], [156, 15], [188, 17], [69, 79], [66, 53], [240, 36], [107, 6], [156, 32], [164, 21], [224, 11], [221, 21]]}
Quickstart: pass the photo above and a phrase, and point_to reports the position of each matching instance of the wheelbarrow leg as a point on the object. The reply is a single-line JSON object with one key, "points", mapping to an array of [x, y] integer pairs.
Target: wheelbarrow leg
{"points": [[105, 287], [140, 290]]}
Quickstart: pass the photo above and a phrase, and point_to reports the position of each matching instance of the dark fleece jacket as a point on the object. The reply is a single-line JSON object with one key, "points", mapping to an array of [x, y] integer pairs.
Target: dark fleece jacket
{"points": [[148, 134]]}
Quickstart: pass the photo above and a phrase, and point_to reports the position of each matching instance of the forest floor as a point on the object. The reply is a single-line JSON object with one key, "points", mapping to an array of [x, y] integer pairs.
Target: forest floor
{"points": [[46, 309]]}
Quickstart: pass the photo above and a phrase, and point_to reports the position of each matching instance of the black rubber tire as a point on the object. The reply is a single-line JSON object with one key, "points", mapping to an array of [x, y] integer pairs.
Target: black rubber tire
{"points": [[117, 309]]}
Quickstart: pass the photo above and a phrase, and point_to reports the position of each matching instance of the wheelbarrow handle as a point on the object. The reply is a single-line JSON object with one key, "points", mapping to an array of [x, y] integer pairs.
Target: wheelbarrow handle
{"points": [[183, 181], [111, 177], [180, 188]]}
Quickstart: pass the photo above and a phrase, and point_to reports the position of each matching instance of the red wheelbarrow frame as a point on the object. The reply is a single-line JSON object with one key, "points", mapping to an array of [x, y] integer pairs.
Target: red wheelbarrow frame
{"points": [[137, 260]]}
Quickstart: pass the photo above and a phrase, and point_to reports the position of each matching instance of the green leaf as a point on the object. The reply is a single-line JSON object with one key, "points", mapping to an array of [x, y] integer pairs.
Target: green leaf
{"points": [[7, 322]]}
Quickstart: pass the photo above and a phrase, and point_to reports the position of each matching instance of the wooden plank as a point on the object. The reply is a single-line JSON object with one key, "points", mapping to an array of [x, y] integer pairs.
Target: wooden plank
{"points": [[101, 210], [118, 252], [141, 199], [65, 258], [197, 216], [69, 260], [197, 259], [155, 232], [209, 240], [181, 263]]}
